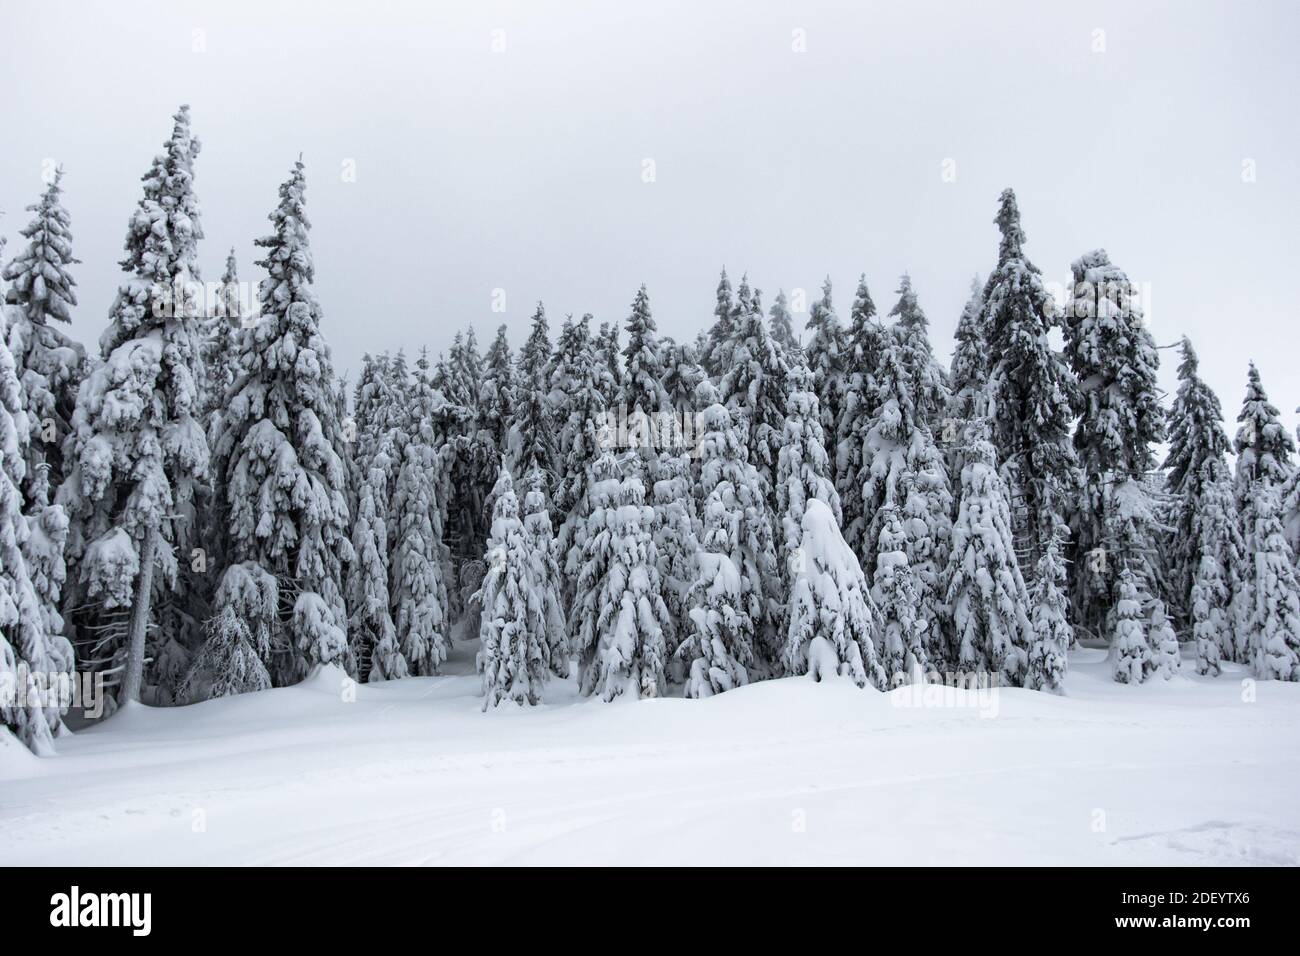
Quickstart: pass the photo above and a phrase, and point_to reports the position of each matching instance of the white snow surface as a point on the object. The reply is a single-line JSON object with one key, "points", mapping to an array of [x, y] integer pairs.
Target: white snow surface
{"points": [[780, 772]]}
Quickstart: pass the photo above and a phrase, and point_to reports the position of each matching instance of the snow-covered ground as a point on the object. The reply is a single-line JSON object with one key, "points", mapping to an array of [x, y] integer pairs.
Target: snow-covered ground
{"points": [[787, 771]]}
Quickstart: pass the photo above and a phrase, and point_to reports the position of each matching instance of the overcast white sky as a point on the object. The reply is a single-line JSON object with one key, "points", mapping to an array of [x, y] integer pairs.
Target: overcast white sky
{"points": [[522, 169]]}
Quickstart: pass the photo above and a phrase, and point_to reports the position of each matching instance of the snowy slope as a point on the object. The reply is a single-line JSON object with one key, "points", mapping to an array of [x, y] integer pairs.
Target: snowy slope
{"points": [[780, 772]]}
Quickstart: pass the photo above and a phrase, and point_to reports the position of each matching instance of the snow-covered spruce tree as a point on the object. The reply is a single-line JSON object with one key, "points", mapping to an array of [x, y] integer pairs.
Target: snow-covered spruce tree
{"points": [[902, 631], [221, 340], [1264, 449], [643, 397], [546, 609], [32, 658], [48, 364], [496, 400], [898, 455], [1222, 555], [831, 626], [420, 560], [237, 639], [827, 353], [1210, 617], [1165, 656], [1114, 360], [1051, 635], [675, 535], [864, 346], [682, 376], [136, 452], [753, 388], [532, 431], [724, 470], [45, 542], [929, 381], [1196, 462], [621, 627], [1130, 647], [477, 456], [985, 590], [374, 406], [278, 451], [720, 332], [927, 525], [726, 598], [513, 657], [400, 386], [803, 470], [781, 323], [610, 357], [728, 605], [1273, 589], [970, 370], [1031, 387], [582, 379], [371, 634]]}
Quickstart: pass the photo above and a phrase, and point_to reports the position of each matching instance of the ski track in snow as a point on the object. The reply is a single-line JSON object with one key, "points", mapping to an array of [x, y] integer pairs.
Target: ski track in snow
{"points": [[781, 772]]}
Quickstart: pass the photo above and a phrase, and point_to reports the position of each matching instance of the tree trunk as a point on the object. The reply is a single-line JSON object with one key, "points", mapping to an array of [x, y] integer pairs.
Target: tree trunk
{"points": [[140, 619]]}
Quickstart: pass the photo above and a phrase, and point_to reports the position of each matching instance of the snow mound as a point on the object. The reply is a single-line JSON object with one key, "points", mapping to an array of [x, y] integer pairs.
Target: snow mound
{"points": [[15, 759]]}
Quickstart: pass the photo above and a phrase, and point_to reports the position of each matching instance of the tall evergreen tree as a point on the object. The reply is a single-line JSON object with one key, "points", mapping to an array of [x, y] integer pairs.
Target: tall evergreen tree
{"points": [[136, 453], [619, 625], [753, 389], [725, 473], [513, 658], [720, 332], [827, 354], [279, 450], [675, 535], [48, 364], [1196, 462], [221, 340], [803, 470], [532, 431], [643, 397], [371, 634], [583, 380], [1115, 362], [1031, 385], [729, 599], [970, 368], [985, 590], [610, 357], [865, 344], [1273, 589], [497, 394], [477, 456], [32, 657], [898, 457], [1264, 449], [903, 636], [682, 376], [782, 323], [929, 381], [546, 609], [421, 561], [1219, 547]]}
